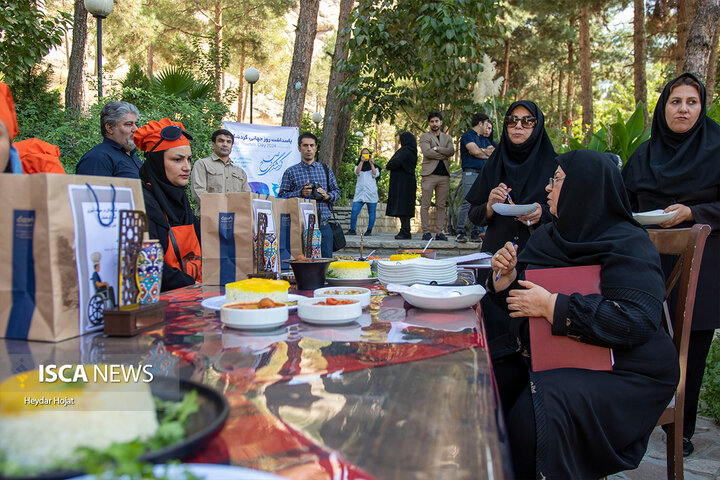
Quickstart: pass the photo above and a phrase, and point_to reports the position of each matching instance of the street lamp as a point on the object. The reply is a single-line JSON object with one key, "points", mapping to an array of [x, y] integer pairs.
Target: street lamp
{"points": [[316, 118], [99, 9], [251, 76]]}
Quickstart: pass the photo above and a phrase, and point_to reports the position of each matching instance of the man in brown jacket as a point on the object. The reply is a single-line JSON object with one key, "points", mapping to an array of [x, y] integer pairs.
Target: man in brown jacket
{"points": [[216, 173], [437, 149]]}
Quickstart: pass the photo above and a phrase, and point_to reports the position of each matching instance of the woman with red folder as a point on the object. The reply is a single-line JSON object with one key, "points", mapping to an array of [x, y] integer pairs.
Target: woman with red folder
{"points": [[572, 422], [678, 170], [165, 174]]}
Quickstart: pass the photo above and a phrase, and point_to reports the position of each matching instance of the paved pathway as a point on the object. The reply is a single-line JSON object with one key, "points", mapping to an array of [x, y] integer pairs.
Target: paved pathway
{"points": [[702, 464]]}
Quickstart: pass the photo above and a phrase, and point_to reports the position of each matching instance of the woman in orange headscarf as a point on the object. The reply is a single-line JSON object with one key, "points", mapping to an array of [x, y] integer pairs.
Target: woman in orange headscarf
{"points": [[28, 156], [165, 174]]}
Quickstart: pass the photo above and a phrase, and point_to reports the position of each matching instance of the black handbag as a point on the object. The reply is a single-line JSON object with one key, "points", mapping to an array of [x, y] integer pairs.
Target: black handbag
{"points": [[337, 230]]}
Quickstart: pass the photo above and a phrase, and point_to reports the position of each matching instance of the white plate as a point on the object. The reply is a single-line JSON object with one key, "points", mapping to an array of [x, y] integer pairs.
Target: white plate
{"points": [[216, 303], [350, 282], [508, 210], [203, 471], [654, 217], [432, 297]]}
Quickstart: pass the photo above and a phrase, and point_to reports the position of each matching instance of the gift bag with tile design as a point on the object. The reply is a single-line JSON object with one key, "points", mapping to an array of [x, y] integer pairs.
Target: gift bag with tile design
{"points": [[46, 260]]}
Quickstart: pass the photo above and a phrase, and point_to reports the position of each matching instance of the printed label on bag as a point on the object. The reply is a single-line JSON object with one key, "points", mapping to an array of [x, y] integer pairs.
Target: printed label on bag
{"points": [[285, 224], [23, 275], [226, 232]]}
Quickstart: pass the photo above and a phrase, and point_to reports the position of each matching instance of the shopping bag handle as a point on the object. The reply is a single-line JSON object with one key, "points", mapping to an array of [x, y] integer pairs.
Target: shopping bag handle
{"points": [[97, 204]]}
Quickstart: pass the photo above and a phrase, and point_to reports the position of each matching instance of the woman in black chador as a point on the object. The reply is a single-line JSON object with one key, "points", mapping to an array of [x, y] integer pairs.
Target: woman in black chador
{"points": [[570, 422], [679, 169], [403, 186], [520, 166]]}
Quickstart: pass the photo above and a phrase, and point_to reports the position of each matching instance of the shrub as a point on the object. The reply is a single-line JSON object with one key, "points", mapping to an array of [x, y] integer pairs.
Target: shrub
{"points": [[710, 393]]}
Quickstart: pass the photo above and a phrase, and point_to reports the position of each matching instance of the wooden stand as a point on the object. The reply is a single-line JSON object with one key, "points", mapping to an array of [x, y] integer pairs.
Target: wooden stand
{"points": [[126, 323]]}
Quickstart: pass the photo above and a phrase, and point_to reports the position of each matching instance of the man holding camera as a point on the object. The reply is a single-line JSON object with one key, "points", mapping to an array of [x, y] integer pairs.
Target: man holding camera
{"points": [[312, 180]]}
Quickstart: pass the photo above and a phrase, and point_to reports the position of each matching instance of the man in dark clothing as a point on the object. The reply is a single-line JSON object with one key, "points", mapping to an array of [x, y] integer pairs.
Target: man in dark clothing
{"points": [[475, 149], [115, 156]]}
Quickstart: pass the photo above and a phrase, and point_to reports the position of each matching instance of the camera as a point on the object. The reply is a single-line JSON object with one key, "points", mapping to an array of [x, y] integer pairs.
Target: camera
{"points": [[314, 194]]}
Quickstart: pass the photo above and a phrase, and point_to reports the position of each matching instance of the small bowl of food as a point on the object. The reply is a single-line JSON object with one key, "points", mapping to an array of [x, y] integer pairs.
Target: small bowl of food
{"points": [[329, 310], [352, 293], [309, 273], [419, 251], [260, 315]]}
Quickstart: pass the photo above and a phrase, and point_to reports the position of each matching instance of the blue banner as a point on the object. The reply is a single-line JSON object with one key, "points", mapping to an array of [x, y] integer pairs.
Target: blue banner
{"points": [[23, 275], [226, 231]]}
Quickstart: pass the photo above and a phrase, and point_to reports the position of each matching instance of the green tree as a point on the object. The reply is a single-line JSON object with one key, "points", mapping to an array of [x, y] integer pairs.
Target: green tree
{"points": [[410, 57], [26, 36]]}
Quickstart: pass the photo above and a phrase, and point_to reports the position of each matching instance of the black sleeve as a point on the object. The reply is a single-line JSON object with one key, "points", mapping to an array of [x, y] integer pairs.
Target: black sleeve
{"points": [[478, 214], [172, 278], [618, 318], [708, 213], [634, 204]]}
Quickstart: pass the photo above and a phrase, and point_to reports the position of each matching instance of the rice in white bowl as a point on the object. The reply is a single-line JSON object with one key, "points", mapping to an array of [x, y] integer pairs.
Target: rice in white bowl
{"points": [[349, 269], [39, 436]]}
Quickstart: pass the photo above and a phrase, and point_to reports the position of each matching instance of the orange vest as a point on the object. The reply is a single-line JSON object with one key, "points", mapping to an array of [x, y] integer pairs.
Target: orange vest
{"points": [[183, 243]]}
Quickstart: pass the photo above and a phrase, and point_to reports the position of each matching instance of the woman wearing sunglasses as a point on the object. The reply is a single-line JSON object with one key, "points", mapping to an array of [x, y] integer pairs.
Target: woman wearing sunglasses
{"points": [[165, 174], [517, 171], [678, 170]]}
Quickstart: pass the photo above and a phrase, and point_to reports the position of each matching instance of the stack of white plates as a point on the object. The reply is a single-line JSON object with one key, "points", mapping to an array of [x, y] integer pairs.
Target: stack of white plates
{"points": [[417, 270]]}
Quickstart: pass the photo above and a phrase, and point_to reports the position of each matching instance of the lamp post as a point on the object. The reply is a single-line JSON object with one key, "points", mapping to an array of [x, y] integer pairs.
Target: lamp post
{"points": [[316, 118], [99, 9], [251, 76]]}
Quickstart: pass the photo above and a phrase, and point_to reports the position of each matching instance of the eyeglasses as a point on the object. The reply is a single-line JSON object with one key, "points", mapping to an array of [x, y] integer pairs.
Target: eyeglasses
{"points": [[553, 180], [526, 122], [171, 132]]}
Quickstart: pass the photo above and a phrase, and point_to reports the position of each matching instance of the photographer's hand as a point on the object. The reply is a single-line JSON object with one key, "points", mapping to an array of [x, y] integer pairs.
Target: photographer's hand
{"points": [[322, 192], [306, 190]]}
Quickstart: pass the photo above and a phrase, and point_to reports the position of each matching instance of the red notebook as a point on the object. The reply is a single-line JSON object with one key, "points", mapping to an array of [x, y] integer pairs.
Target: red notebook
{"points": [[550, 351]]}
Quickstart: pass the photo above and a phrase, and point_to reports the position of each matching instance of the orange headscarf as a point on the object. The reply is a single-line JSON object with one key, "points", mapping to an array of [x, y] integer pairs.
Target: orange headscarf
{"points": [[38, 156], [147, 136], [7, 110]]}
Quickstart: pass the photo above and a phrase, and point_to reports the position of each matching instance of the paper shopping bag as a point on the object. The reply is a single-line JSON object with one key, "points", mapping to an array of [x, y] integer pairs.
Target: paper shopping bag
{"points": [[227, 237], [59, 263]]}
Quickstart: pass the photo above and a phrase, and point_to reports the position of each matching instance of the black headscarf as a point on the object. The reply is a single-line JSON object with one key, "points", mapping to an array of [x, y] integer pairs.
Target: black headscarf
{"points": [[594, 226], [407, 153], [491, 137], [408, 143], [172, 200], [525, 168], [676, 163], [366, 166]]}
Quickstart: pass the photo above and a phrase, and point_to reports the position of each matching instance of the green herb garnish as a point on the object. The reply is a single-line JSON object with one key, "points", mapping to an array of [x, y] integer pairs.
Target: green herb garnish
{"points": [[124, 458]]}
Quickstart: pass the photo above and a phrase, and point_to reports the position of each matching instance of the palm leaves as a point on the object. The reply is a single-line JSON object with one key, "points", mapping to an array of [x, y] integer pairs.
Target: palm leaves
{"points": [[179, 82]]}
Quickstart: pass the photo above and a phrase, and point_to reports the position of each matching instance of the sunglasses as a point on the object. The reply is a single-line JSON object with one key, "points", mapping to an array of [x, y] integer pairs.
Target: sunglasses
{"points": [[525, 122], [171, 132]]}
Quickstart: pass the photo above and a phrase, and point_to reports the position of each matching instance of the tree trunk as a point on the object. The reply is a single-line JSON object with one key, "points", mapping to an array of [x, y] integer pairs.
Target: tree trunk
{"points": [[343, 126], [242, 84], [332, 104], [569, 103], [300, 68], [552, 90], [150, 61], [700, 40], [585, 70], [685, 9], [507, 68], [217, 41], [74, 93], [640, 57], [712, 69], [559, 96]]}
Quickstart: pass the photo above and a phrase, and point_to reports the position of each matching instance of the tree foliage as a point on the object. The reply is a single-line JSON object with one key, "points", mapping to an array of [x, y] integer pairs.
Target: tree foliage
{"points": [[409, 57], [26, 36]]}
